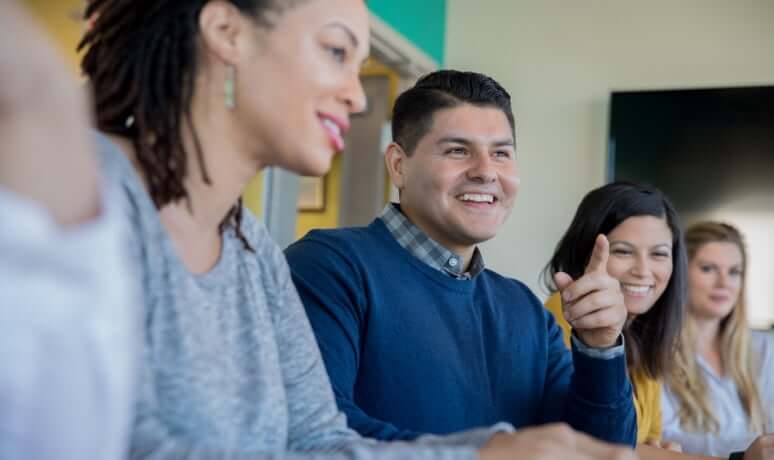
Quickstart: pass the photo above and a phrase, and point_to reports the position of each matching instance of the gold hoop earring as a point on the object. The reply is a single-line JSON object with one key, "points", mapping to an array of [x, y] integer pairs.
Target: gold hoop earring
{"points": [[230, 87]]}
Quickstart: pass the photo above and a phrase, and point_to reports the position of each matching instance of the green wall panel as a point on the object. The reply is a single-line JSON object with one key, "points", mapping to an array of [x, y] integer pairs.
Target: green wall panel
{"points": [[423, 22]]}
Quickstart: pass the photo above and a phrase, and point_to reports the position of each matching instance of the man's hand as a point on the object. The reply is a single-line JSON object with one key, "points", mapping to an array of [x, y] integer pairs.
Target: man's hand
{"points": [[594, 304], [551, 442], [667, 445], [761, 449]]}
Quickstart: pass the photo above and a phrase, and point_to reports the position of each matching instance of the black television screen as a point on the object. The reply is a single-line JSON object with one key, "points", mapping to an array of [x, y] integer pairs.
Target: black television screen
{"points": [[700, 146], [712, 152]]}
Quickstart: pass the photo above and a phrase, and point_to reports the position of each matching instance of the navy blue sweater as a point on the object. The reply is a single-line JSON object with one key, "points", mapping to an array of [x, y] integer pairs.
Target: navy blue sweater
{"points": [[411, 350]]}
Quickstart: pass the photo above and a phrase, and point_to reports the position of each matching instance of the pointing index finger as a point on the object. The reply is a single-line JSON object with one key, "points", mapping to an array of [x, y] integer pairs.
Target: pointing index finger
{"points": [[599, 256]]}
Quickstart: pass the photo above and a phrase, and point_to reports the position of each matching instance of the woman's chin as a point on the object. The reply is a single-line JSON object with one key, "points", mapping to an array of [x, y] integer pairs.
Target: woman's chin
{"points": [[317, 169], [311, 164]]}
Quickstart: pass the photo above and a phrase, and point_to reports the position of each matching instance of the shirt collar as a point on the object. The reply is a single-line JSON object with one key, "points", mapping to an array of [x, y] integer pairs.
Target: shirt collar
{"points": [[424, 248]]}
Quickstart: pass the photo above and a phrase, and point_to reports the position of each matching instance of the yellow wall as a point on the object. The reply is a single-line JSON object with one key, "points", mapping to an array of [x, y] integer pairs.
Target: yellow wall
{"points": [[374, 68], [253, 193], [308, 220], [61, 19], [329, 218]]}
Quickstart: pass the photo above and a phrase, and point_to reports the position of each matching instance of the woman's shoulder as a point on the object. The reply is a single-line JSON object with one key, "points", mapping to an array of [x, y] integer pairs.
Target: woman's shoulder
{"points": [[762, 339], [644, 383], [762, 343], [116, 166], [554, 305], [265, 255], [253, 228], [119, 173], [647, 404], [647, 396]]}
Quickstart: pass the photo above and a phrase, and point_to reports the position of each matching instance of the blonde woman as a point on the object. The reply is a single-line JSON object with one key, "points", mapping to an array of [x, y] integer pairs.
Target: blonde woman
{"points": [[719, 396]]}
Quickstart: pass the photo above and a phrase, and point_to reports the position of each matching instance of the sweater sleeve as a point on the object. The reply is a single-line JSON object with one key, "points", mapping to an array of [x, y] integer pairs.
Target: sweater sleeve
{"points": [[332, 293], [592, 394]]}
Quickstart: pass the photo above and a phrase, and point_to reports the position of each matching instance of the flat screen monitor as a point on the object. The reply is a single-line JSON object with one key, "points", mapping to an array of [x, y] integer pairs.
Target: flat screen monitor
{"points": [[712, 152]]}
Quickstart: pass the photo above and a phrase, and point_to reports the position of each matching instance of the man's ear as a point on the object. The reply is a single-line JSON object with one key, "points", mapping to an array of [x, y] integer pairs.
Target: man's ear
{"points": [[395, 159], [220, 24]]}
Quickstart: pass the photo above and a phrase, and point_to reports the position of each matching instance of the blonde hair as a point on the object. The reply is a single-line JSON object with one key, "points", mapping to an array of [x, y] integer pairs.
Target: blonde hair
{"points": [[685, 380]]}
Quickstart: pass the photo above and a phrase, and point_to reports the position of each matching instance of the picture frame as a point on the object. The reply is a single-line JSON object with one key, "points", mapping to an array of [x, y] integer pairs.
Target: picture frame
{"points": [[312, 194]]}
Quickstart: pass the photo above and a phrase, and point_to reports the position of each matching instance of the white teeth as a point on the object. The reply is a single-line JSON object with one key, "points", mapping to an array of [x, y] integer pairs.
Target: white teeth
{"points": [[332, 126], [635, 289], [478, 198]]}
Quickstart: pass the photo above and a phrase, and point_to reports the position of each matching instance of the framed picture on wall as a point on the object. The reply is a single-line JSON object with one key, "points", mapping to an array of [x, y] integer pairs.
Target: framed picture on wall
{"points": [[311, 194]]}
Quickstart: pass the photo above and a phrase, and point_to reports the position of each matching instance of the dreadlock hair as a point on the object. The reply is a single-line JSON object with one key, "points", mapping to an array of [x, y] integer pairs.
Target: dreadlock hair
{"points": [[141, 60]]}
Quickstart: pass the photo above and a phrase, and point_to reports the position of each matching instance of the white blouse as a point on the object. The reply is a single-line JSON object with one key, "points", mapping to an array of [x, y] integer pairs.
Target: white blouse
{"points": [[734, 433]]}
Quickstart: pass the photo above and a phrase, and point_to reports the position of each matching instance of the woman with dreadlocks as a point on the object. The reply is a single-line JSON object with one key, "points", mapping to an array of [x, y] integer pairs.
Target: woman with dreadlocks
{"points": [[193, 98]]}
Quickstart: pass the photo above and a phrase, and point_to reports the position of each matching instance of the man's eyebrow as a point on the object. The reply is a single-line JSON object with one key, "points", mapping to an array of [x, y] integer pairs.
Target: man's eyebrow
{"points": [[504, 143], [466, 141], [454, 140]]}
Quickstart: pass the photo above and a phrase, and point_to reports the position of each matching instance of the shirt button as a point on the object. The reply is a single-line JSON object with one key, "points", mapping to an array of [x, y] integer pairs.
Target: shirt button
{"points": [[453, 262]]}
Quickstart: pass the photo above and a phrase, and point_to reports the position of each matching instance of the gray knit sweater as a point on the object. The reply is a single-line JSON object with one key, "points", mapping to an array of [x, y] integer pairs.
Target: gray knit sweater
{"points": [[231, 369]]}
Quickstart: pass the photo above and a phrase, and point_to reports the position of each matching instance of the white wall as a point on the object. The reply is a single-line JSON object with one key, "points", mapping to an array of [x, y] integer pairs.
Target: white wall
{"points": [[560, 60]]}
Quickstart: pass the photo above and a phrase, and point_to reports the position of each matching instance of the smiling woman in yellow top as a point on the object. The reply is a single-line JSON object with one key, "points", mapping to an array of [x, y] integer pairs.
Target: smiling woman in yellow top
{"points": [[647, 256]]}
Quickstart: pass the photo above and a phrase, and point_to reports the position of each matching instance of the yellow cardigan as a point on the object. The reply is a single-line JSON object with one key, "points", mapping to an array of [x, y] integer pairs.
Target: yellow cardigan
{"points": [[647, 391]]}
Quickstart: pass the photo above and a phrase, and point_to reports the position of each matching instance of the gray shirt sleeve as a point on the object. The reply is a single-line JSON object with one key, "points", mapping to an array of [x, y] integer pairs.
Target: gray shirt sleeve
{"points": [[314, 419], [317, 430], [608, 353]]}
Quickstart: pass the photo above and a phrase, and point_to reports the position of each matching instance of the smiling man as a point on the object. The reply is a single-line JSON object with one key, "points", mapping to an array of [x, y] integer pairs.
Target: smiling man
{"points": [[417, 335]]}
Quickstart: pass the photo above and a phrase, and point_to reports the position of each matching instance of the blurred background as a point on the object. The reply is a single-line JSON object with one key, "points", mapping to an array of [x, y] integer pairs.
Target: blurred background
{"points": [[678, 94]]}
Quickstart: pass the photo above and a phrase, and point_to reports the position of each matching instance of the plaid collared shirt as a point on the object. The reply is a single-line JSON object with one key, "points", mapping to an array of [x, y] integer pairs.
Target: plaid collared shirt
{"points": [[421, 246]]}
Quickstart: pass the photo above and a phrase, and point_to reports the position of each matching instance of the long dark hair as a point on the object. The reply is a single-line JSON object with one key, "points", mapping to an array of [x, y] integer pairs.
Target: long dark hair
{"points": [[141, 58], [651, 338]]}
